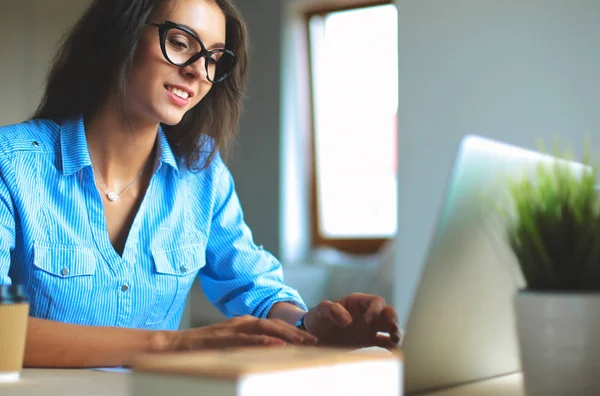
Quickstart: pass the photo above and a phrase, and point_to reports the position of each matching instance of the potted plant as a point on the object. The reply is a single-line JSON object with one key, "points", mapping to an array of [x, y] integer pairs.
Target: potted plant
{"points": [[555, 235]]}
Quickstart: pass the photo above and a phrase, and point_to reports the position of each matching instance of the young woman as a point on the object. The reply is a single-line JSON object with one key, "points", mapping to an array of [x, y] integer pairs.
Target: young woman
{"points": [[114, 198]]}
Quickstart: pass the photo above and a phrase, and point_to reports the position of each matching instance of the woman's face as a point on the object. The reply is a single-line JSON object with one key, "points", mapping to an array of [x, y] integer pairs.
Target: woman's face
{"points": [[157, 89]]}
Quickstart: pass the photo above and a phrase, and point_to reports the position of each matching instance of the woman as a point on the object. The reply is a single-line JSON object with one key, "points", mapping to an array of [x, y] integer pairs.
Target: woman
{"points": [[114, 198]]}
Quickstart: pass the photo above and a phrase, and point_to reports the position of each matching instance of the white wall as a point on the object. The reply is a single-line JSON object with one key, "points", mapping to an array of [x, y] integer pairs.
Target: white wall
{"points": [[513, 70]]}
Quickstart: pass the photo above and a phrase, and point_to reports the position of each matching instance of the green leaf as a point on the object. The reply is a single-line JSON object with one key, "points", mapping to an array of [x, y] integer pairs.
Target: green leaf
{"points": [[555, 229]]}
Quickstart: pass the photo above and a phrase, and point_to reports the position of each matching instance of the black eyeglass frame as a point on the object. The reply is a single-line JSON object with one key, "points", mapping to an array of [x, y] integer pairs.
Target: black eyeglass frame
{"points": [[163, 29]]}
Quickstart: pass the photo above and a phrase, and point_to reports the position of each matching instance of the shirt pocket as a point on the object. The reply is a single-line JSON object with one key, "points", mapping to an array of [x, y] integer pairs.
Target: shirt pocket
{"points": [[62, 282], [175, 269]]}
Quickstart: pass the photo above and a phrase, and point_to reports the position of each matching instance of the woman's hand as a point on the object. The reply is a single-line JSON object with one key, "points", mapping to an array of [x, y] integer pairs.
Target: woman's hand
{"points": [[238, 332], [354, 321]]}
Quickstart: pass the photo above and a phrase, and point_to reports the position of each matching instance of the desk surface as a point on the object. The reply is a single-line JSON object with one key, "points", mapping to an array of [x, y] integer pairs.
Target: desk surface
{"points": [[96, 383], [67, 382], [510, 385]]}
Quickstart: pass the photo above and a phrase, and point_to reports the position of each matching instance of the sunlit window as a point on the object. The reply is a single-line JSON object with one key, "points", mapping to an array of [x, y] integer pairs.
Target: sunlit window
{"points": [[354, 64]]}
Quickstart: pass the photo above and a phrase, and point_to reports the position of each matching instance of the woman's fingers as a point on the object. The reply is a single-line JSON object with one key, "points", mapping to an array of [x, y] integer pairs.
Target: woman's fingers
{"points": [[390, 315], [385, 341], [241, 339], [242, 331], [387, 321], [280, 329], [376, 307], [338, 314]]}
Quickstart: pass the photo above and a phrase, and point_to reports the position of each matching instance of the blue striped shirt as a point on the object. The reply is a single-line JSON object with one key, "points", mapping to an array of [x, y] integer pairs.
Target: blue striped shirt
{"points": [[54, 238]]}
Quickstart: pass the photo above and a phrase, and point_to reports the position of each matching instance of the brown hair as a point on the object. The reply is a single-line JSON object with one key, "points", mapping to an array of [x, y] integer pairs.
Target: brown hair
{"points": [[97, 56]]}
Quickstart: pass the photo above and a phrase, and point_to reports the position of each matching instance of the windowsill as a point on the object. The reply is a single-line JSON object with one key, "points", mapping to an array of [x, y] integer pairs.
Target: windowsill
{"points": [[329, 275]]}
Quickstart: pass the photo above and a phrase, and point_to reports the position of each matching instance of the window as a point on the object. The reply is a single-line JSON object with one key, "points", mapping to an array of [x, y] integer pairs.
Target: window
{"points": [[354, 69]]}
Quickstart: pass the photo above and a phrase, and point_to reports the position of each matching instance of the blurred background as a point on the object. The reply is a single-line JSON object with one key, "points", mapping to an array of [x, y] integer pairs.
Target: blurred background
{"points": [[355, 109]]}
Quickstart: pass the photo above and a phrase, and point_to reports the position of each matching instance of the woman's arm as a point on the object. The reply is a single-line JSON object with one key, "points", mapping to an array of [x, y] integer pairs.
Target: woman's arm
{"points": [[287, 312], [61, 345], [239, 278]]}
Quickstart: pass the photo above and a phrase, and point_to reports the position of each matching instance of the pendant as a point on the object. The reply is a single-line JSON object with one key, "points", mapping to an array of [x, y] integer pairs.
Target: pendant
{"points": [[112, 196]]}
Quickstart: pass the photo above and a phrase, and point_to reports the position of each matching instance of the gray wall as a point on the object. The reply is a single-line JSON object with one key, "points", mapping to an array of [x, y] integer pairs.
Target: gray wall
{"points": [[29, 32], [255, 160], [513, 70]]}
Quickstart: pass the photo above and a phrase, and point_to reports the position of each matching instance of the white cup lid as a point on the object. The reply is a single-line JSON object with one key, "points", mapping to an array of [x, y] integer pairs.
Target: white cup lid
{"points": [[9, 376]]}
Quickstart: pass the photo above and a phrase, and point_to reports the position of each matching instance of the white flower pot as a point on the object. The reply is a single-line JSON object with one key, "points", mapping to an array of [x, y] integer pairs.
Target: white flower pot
{"points": [[559, 343]]}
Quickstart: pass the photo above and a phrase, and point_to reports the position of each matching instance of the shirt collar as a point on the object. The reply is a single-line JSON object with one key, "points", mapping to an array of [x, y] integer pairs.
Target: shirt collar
{"points": [[76, 156], [164, 152], [73, 146]]}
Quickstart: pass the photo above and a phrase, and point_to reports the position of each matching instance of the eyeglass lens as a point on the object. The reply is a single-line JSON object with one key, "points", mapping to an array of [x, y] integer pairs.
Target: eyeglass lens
{"points": [[180, 47]]}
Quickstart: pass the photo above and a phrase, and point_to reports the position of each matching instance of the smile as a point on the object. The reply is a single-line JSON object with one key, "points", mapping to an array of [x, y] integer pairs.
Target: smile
{"points": [[179, 92]]}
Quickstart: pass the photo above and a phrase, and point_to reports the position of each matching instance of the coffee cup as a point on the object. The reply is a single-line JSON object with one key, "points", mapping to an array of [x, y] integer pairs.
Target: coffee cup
{"points": [[14, 312]]}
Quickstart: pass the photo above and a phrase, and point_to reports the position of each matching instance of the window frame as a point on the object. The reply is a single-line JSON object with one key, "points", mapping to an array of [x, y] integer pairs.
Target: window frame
{"points": [[360, 246]]}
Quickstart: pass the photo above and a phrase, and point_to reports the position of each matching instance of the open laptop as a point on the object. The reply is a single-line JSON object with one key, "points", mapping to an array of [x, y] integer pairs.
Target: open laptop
{"points": [[461, 327]]}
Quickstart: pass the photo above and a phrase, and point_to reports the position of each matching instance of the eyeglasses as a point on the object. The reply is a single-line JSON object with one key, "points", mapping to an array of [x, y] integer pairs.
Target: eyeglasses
{"points": [[181, 47]]}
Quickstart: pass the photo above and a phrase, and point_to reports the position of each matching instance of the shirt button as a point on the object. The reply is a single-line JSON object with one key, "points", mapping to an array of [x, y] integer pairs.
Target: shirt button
{"points": [[36, 144], [183, 268], [65, 272], [124, 288]]}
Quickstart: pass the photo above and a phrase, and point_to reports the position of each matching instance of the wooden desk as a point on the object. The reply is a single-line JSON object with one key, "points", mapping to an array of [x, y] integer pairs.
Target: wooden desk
{"points": [[36, 382]]}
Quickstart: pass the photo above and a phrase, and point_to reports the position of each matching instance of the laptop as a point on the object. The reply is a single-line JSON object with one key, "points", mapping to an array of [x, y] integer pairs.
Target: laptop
{"points": [[461, 327]]}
